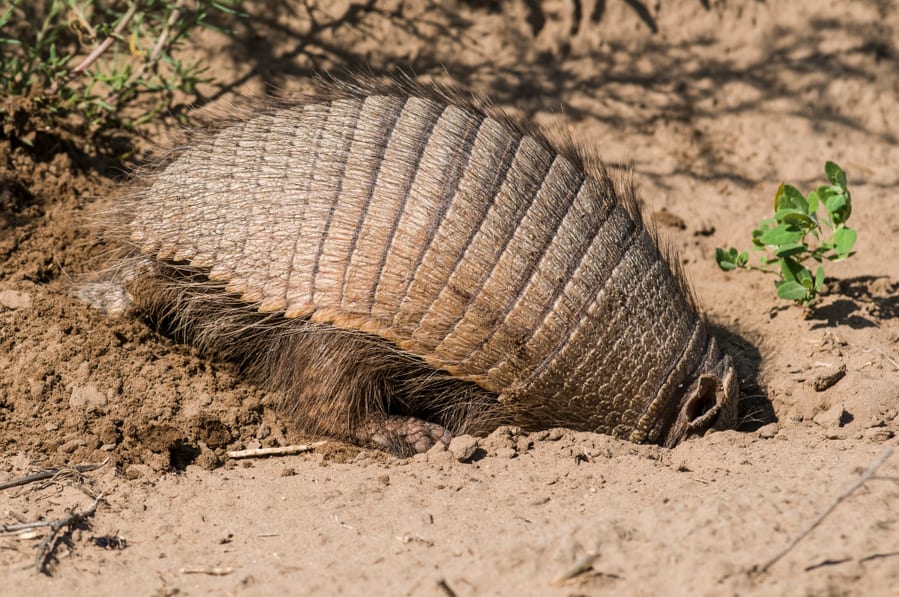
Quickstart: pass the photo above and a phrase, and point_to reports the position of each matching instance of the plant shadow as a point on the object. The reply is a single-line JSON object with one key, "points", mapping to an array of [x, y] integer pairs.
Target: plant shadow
{"points": [[859, 302]]}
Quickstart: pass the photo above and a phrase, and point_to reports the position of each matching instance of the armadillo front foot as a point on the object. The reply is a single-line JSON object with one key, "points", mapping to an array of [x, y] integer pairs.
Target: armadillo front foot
{"points": [[404, 436]]}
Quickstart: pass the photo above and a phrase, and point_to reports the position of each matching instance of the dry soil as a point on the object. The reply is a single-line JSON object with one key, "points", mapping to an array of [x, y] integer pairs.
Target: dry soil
{"points": [[712, 104]]}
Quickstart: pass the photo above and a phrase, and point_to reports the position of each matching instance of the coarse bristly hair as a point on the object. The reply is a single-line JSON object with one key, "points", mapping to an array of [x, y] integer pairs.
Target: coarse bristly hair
{"points": [[331, 380]]}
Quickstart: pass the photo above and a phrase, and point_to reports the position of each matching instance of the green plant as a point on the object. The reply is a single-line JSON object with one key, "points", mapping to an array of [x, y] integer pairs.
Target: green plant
{"points": [[784, 239], [112, 63]]}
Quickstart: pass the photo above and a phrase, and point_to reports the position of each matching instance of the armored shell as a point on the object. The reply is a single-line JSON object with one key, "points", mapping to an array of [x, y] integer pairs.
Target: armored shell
{"points": [[387, 252]]}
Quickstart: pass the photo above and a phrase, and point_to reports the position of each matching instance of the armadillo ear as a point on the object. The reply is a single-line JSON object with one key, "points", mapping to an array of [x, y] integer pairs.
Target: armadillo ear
{"points": [[704, 404], [710, 401]]}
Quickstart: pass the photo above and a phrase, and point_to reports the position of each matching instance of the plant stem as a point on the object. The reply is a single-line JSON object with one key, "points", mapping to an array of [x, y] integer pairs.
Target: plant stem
{"points": [[98, 51], [761, 269], [113, 98]]}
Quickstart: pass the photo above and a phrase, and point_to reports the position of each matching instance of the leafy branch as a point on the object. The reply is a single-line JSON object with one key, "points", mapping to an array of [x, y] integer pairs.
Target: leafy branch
{"points": [[796, 234]]}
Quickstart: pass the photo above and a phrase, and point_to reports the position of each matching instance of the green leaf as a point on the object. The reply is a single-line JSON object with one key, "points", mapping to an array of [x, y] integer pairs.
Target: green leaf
{"points": [[778, 194], [804, 277], [839, 207], [835, 202], [781, 234], [843, 241], [796, 218], [790, 249], [224, 7], [792, 291], [820, 251], [793, 270], [743, 258], [819, 278], [813, 203], [4, 18], [835, 174], [726, 260], [789, 197]]}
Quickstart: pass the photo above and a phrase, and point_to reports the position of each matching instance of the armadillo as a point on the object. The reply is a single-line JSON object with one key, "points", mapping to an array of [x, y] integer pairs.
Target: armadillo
{"points": [[402, 264]]}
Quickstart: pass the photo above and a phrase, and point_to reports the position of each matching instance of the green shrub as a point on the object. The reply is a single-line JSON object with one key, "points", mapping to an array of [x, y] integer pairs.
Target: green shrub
{"points": [[797, 234], [113, 64]]}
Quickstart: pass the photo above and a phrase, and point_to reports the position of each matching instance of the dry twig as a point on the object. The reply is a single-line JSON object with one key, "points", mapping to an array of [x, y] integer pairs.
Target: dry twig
{"points": [[49, 542], [444, 586], [157, 49], [866, 476], [49, 474], [581, 566], [213, 571], [98, 51], [282, 451]]}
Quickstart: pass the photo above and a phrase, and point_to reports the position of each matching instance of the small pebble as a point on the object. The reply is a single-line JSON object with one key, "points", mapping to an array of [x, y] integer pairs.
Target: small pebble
{"points": [[835, 416], [878, 434], [88, 398], [505, 453], [13, 299], [463, 447], [768, 431], [444, 457], [437, 448], [826, 380]]}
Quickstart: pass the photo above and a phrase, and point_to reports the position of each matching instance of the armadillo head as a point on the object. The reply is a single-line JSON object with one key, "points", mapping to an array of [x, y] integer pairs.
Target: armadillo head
{"points": [[706, 400]]}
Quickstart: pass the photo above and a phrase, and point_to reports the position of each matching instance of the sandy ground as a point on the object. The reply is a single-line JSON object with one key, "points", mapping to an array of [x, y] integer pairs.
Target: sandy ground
{"points": [[712, 104]]}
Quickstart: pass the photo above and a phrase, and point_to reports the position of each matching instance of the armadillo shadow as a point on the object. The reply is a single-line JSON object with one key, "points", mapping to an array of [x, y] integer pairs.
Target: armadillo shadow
{"points": [[755, 408]]}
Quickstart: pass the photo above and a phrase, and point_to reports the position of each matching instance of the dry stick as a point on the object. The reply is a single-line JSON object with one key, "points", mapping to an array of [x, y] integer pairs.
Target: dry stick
{"points": [[98, 51], [214, 571], [885, 355], [15, 529], [866, 476], [46, 548], [163, 37], [48, 473], [584, 564], [17, 516], [447, 590], [875, 556], [282, 451], [157, 49]]}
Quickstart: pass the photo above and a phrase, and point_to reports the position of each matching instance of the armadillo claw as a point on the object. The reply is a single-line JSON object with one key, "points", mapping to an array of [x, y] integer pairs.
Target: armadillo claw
{"points": [[404, 436]]}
